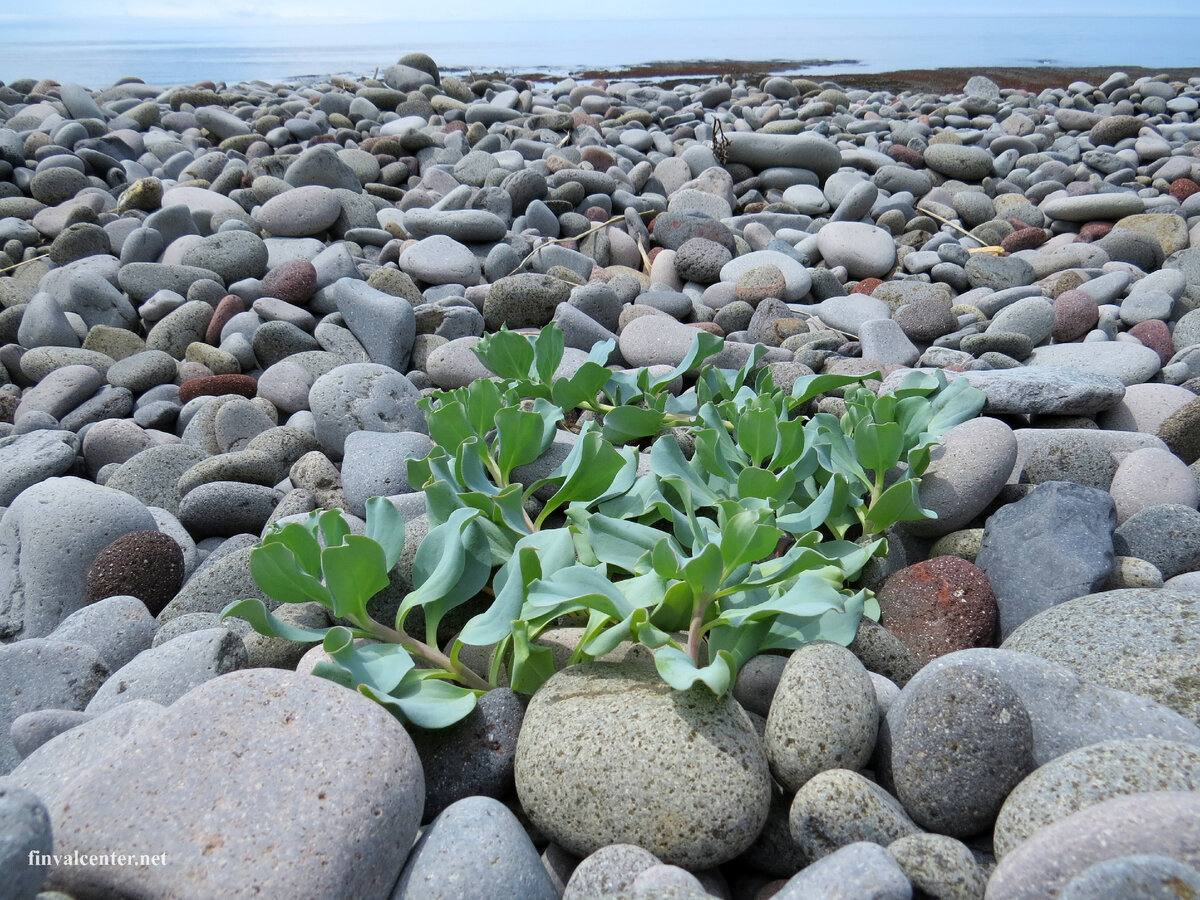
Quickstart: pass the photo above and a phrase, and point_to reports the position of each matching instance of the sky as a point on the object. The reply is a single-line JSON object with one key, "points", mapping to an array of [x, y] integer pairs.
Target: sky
{"points": [[316, 10]]}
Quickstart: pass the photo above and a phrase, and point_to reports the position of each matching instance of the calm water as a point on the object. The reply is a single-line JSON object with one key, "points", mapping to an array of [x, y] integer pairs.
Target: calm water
{"points": [[98, 53]]}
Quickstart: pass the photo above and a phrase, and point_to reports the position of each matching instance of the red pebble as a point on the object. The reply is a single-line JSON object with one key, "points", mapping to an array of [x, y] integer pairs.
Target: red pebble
{"points": [[866, 286], [217, 385], [903, 154], [1155, 335], [230, 306], [1024, 239], [939, 606], [596, 214], [1093, 231], [1182, 188], [654, 251], [710, 327], [294, 281]]}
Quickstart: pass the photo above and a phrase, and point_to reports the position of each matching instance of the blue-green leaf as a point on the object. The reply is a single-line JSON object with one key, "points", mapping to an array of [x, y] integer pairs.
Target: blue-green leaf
{"points": [[810, 386], [355, 571], [425, 701], [255, 612], [547, 352], [899, 503], [531, 664], [280, 577], [581, 387], [678, 670], [879, 447], [506, 353], [758, 434], [631, 423], [302, 541], [385, 526]]}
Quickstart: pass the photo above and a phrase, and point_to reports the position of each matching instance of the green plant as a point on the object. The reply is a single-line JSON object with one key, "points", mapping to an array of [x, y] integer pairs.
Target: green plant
{"points": [[745, 546]]}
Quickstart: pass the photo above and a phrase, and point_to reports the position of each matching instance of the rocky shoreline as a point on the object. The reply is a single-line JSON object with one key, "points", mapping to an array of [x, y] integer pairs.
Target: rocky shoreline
{"points": [[221, 303]]}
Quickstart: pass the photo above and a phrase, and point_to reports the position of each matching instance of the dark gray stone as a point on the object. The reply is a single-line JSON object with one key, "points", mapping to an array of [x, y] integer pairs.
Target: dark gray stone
{"points": [[961, 743], [1167, 536], [384, 325], [1054, 545], [473, 757]]}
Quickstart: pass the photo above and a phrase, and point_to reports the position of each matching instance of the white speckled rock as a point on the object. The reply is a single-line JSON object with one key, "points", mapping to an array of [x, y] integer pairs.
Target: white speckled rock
{"points": [[865, 250], [609, 753]]}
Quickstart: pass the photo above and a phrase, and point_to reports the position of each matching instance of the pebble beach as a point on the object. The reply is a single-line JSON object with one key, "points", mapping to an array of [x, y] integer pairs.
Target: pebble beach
{"points": [[220, 304]]}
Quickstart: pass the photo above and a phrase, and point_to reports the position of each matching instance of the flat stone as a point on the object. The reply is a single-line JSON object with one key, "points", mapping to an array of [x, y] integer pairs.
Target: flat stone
{"points": [[802, 151], [1146, 875], [1130, 363], [1090, 207], [1154, 656], [1091, 775], [1165, 823]]}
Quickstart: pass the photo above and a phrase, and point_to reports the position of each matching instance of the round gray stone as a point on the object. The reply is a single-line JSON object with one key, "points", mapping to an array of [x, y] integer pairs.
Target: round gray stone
{"points": [[962, 743], [838, 807], [475, 850], [823, 715], [362, 397], [685, 777]]}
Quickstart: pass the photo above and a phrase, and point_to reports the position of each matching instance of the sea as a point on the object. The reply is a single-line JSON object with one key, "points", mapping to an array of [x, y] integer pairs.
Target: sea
{"points": [[98, 52]]}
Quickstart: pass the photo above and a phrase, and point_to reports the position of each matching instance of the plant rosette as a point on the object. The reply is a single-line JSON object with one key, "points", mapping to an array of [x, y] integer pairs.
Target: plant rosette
{"points": [[748, 543]]}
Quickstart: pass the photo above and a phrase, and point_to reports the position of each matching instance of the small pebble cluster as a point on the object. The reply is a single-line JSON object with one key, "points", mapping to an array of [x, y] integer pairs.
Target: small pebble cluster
{"points": [[219, 307]]}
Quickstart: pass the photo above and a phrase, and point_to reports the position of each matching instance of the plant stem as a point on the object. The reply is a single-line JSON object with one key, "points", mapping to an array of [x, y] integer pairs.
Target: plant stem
{"points": [[696, 630], [429, 654]]}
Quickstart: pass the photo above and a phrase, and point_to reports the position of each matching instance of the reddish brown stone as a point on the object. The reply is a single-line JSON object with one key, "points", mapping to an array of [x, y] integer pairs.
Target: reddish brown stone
{"points": [[230, 306], [654, 251], [143, 564], [596, 214], [1182, 188], [599, 158], [217, 385], [939, 606], [294, 281], [903, 154], [1075, 314], [710, 327], [322, 139], [1024, 239], [1155, 335], [866, 286], [1093, 231]]}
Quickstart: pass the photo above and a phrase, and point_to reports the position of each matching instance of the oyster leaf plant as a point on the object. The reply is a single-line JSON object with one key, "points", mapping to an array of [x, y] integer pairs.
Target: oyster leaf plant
{"points": [[746, 541]]}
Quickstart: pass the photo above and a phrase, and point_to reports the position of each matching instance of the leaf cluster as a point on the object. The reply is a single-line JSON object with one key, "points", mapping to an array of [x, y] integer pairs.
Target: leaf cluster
{"points": [[745, 544]]}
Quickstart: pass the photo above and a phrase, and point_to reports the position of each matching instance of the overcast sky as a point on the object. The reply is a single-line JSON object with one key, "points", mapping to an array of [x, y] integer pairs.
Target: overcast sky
{"points": [[211, 11]]}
